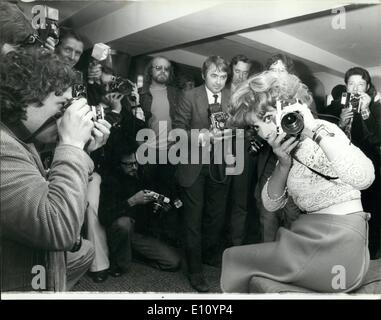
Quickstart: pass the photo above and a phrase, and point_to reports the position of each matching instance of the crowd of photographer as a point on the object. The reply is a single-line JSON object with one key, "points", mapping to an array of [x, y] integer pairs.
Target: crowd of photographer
{"points": [[74, 197]]}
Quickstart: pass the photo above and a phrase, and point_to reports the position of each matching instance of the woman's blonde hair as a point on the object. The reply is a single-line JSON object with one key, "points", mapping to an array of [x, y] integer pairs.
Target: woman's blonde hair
{"points": [[261, 91]]}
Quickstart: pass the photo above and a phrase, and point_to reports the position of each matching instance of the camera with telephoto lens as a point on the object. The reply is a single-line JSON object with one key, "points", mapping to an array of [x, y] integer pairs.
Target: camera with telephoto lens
{"points": [[351, 101], [290, 122], [48, 26]]}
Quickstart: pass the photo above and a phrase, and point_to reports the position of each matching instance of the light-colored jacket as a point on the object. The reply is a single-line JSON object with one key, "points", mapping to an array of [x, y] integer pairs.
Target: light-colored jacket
{"points": [[41, 216]]}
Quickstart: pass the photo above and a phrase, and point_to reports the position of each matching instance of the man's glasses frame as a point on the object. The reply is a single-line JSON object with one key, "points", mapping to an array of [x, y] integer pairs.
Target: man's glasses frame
{"points": [[129, 164], [159, 68]]}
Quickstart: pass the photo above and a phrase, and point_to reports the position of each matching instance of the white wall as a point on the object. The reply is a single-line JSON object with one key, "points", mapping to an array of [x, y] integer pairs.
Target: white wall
{"points": [[329, 80], [375, 73]]}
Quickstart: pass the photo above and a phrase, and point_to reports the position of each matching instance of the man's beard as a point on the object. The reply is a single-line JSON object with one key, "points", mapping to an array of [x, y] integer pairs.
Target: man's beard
{"points": [[162, 79]]}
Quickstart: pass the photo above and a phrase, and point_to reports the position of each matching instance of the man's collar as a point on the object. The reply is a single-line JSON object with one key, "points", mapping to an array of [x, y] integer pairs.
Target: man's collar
{"points": [[210, 95], [18, 129]]}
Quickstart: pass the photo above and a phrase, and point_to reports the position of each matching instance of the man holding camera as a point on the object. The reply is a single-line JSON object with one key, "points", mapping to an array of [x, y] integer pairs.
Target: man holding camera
{"points": [[359, 111], [128, 211], [70, 48], [42, 213], [204, 192]]}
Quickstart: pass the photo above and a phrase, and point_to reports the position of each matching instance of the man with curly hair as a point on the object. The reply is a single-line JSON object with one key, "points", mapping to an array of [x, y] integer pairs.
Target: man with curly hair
{"points": [[42, 213]]}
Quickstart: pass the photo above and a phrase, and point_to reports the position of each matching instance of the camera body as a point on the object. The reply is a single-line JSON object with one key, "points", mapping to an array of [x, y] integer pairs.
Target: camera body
{"points": [[256, 144], [78, 91], [48, 27], [218, 118], [351, 101], [98, 112], [290, 122], [160, 203], [121, 85]]}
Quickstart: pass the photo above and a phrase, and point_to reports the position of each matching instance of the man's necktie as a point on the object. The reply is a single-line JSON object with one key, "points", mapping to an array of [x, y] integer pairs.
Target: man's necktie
{"points": [[215, 96]]}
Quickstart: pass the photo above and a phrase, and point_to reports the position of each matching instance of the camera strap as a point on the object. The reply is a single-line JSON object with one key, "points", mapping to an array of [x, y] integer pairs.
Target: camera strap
{"points": [[314, 171], [45, 125]]}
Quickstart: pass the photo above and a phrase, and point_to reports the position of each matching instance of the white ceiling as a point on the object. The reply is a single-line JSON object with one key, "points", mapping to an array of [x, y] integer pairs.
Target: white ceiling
{"points": [[359, 42], [188, 31]]}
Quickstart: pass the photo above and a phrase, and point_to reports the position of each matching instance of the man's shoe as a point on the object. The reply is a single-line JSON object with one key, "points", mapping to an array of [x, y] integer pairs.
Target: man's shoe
{"points": [[198, 282], [116, 271], [99, 276]]}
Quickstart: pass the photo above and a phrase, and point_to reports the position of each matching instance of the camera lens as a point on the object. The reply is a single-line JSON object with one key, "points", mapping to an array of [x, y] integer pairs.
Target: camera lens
{"points": [[292, 123]]}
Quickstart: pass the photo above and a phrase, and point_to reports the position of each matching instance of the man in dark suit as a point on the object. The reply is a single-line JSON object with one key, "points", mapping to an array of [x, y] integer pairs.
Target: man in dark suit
{"points": [[204, 194]]}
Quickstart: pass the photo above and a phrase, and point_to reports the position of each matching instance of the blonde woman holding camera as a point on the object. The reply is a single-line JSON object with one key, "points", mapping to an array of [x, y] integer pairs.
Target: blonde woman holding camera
{"points": [[323, 173]]}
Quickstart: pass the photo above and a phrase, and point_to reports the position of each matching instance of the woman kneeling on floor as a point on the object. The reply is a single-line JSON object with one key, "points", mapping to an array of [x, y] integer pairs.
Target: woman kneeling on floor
{"points": [[323, 173]]}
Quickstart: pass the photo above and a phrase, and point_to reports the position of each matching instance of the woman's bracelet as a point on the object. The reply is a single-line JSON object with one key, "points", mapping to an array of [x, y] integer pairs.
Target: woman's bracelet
{"points": [[280, 197], [320, 132]]}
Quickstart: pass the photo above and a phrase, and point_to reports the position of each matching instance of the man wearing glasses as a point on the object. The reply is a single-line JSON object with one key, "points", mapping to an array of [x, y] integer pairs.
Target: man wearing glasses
{"points": [[158, 100], [126, 211]]}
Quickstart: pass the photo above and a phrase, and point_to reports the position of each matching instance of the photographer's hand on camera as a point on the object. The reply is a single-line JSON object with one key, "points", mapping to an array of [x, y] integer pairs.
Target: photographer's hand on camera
{"points": [[345, 117], [50, 44], [138, 113], [140, 198], [365, 100], [94, 72], [76, 124], [134, 97], [114, 101], [282, 148], [99, 135]]}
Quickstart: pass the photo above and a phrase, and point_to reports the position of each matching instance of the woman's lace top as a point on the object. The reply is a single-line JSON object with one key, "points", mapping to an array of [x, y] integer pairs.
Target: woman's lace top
{"points": [[312, 192]]}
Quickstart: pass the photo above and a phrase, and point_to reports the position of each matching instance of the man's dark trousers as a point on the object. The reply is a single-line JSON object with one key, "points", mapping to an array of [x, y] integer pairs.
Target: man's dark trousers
{"points": [[204, 216]]}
